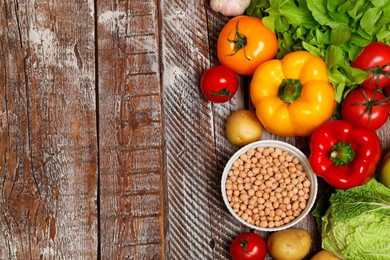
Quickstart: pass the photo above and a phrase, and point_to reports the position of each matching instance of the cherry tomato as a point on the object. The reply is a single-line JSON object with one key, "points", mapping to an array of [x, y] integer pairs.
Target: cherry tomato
{"points": [[244, 43], [365, 107], [248, 246], [219, 84], [375, 58]]}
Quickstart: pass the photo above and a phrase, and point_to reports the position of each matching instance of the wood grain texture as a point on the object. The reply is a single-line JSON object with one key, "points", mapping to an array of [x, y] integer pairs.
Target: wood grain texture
{"points": [[48, 132], [130, 130], [198, 225]]}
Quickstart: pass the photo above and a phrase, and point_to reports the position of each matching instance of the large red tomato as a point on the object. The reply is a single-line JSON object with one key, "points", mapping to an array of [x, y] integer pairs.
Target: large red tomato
{"points": [[248, 246], [219, 84], [375, 58], [365, 107]]}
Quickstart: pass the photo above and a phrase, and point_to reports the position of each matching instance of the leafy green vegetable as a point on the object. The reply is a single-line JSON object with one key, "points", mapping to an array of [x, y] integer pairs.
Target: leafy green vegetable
{"points": [[333, 30], [356, 225]]}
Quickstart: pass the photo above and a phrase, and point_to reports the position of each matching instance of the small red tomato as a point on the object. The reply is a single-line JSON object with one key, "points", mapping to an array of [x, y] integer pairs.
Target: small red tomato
{"points": [[365, 107], [248, 246], [219, 84], [375, 58]]}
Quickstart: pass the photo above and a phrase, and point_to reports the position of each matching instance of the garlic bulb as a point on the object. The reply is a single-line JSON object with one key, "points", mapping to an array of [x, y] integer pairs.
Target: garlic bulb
{"points": [[230, 7]]}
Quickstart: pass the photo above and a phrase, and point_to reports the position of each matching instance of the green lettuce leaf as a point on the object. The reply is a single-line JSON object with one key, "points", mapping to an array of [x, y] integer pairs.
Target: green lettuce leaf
{"points": [[357, 223]]}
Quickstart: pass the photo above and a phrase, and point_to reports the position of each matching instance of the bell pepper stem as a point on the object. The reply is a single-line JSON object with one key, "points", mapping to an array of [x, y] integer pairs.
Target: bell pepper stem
{"points": [[289, 90], [341, 154]]}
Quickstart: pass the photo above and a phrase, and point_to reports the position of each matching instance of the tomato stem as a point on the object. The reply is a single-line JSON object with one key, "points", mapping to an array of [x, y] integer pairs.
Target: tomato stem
{"points": [[376, 73], [239, 42], [223, 92], [244, 244], [289, 90]]}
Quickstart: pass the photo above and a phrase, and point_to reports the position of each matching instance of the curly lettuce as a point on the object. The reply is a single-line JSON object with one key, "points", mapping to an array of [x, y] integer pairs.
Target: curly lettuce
{"points": [[356, 225]]}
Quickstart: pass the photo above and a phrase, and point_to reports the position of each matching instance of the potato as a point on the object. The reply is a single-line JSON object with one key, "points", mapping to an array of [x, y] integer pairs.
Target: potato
{"points": [[289, 244], [324, 255], [243, 127]]}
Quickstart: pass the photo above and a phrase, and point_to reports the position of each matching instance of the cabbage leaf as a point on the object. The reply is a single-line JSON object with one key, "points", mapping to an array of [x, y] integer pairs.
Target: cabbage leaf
{"points": [[356, 225]]}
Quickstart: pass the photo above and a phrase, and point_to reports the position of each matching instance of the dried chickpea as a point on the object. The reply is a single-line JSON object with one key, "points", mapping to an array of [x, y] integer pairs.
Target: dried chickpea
{"points": [[260, 149], [251, 152], [243, 197], [295, 161], [247, 165], [244, 157]]}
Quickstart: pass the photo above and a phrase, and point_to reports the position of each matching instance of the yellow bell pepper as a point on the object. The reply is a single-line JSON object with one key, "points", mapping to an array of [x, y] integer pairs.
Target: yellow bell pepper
{"points": [[292, 96]]}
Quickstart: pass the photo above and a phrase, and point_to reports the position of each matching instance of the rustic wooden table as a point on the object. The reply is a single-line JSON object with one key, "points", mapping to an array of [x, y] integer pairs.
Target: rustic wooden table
{"points": [[107, 148]]}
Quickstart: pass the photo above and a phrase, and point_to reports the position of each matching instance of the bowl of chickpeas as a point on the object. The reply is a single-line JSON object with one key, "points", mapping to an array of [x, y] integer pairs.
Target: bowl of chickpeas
{"points": [[269, 185]]}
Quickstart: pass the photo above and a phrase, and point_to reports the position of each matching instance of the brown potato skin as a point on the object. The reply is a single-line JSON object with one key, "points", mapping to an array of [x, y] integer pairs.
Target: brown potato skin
{"points": [[289, 244], [243, 127], [324, 255]]}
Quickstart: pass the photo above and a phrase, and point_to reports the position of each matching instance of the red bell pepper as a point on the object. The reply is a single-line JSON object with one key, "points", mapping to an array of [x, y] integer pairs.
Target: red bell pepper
{"points": [[344, 155]]}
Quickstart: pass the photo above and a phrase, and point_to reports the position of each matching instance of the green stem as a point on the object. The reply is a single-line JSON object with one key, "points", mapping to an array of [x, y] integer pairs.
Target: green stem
{"points": [[377, 72], [223, 92], [341, 154], [290, 90], [239, 42]]}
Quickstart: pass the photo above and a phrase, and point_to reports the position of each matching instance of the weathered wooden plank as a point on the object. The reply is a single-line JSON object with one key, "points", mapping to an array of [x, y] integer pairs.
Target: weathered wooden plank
{"points": [[130, 130], [48, 134], [199, 227]]}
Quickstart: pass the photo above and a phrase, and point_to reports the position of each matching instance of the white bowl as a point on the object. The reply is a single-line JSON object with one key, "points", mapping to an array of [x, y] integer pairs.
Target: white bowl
{"points": [[292, 150]]}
